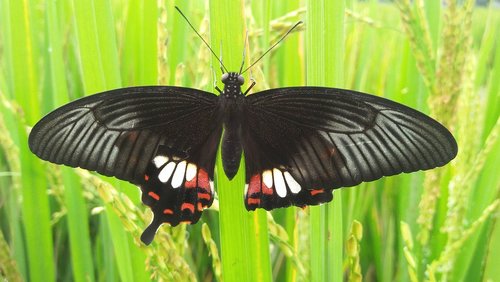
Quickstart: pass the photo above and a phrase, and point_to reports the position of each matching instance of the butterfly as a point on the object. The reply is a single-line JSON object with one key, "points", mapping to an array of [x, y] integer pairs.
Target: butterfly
{"points": [[299, 143]]}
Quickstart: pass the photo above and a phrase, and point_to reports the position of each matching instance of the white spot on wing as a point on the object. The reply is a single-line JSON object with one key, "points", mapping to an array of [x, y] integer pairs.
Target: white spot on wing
{"points": [[159, 161], [191, 171], [292, 184], [178, 177], [279, 183], [246, 188], [211, 187], [267, 178], [166, 172]]}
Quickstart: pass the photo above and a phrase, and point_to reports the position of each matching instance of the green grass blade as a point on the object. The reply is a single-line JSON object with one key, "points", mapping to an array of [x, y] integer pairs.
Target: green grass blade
{"points": [[100, 71], [8, 266], [139, 55], [493, 105], [291, 67], [433, 14], [491, 269], [11, 154], [139, 67], [81, 255], [315, 17], [81, 252], [314, 75], [24, 83], [179, 31], [325, 66], [484, 193], [55, 51], [10, 258], [94, 29], [244, 235], [334, 73]]}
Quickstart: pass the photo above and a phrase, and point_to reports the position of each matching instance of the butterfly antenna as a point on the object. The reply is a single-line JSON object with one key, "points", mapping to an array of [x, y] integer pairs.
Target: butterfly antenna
{"points": [[221, 58], [197, 33], [274, 45], [244, 52]]}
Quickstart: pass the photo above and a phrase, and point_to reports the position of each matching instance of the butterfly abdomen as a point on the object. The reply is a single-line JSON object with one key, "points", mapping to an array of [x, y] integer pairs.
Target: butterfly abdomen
{"points": [[231, 151], [231, 100]]}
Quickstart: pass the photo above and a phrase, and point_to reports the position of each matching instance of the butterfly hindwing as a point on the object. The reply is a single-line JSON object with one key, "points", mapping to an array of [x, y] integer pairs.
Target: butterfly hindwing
{"points": [[326, 138], [177, 186], [284, 164], [274, 188], [129, 132]]}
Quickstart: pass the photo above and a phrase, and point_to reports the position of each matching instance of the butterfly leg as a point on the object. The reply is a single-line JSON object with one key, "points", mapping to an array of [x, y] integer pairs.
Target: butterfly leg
{"points": [[221, 64], [250, 87]]}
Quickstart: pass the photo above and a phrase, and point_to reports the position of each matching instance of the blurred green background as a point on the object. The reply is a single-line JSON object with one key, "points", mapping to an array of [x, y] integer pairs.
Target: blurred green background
{"points": [[441, 57]]}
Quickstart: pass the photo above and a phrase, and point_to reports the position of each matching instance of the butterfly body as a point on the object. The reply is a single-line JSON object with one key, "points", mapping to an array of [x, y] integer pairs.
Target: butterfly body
{"points": [[299, 143], [231, 102]]}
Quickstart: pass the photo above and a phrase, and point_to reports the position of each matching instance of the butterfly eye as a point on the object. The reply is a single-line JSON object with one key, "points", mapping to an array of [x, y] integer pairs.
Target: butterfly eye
{"points": [[224, 77], [241, 80]]}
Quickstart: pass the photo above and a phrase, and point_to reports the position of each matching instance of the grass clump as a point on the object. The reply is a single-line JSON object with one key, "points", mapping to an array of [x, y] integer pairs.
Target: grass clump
{"points": [[438, 225]]}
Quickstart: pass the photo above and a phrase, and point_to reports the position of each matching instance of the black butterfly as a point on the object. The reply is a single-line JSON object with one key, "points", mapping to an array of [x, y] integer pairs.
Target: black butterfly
{"points": [[300, 143]]}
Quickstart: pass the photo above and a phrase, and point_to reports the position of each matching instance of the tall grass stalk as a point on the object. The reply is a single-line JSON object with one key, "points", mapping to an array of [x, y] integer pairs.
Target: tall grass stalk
{"points": [[77, 218], [99, 60], [448, 193], [10, 152], [289, 72], [325, 63], [8, 264], [24, 80], [68, 224], [244, 235]]}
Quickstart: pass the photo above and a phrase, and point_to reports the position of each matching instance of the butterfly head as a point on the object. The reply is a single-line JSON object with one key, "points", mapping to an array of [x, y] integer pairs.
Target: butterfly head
{"points": [[232, 85], [233, 78]]}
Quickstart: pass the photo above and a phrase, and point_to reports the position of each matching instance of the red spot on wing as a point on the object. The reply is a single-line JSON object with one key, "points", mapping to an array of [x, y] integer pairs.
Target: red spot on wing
{"points": [[316, 191], [205, 192], [191, 184], [154, 195], [146, 177], [254, 185], [204, 196], [267, 190], [200, 206], [253, 201], [168, 211], [185, 221], [187, 206], [203, 181]]}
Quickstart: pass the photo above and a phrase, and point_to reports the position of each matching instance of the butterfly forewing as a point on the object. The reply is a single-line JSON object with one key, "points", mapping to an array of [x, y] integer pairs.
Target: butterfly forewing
{"points": [[116, 133], [134, 134], [325, 138]]}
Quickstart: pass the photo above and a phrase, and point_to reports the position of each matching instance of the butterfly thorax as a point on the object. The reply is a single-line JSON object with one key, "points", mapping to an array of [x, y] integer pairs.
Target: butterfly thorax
{"points": [[231, 104]]}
